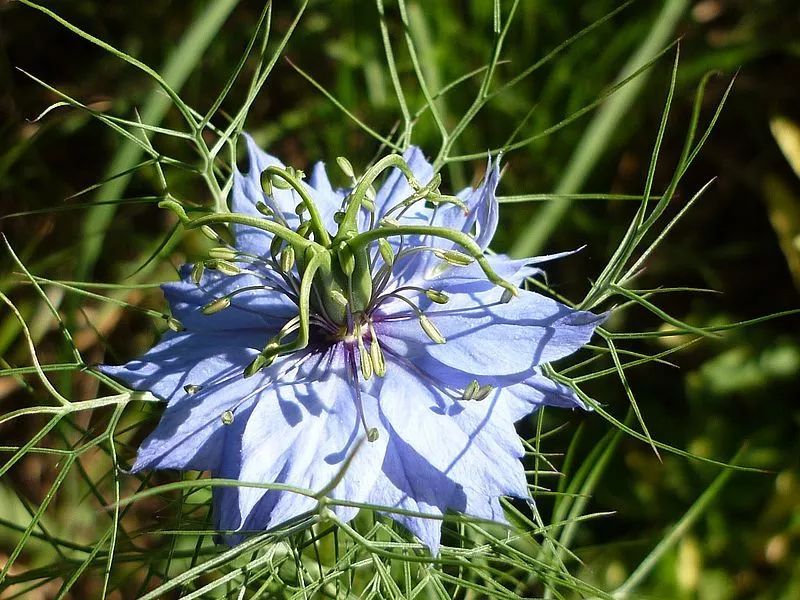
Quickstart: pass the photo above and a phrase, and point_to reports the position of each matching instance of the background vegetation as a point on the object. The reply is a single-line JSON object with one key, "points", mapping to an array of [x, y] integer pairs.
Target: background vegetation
{"points": [[741, 239]]}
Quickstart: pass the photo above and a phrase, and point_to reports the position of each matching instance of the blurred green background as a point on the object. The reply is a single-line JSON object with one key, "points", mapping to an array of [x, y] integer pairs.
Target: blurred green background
{"points": [[742, 239]]}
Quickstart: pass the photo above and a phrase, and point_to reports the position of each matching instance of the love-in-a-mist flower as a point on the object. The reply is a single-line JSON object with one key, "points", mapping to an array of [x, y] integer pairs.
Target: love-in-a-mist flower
{"points": [[356, 338]]}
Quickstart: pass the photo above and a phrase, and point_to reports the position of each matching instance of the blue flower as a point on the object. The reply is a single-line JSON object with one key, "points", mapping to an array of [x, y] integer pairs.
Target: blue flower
{"points": [[400, 330]]}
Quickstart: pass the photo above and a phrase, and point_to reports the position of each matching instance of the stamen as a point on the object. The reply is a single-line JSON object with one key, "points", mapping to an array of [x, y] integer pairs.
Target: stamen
{"points": [[223, 253], [431, 330], [197, 272], [454, 257], [216, 305], [224, 267], [174, 324], [287, 259], [437, 296], [470, 390], [346, 167], [385, 248], [483, 392], [376, 353], [363, 356], [227, 417], [192, 389]]}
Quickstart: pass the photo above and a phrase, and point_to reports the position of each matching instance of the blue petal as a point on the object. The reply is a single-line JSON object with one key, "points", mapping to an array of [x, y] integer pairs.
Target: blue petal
{"points": [[443, 455], [301, 435], [257, 309], [527, 396], [491, 339], [190, 432], [247, 192]]}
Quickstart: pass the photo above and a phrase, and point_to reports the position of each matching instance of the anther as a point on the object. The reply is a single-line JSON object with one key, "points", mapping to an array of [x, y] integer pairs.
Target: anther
{"points": [[431, 330], [483, 392], [345, 166], [287, 259], [376, 353], [265, 210], [389, 222], [279, 182], [224, 267], [216, 305], [223, 253], [385, 248], [275, 247], [174, 324], [437, 296], [210, 234], [227, 417], [372, 434], [507, 296], [470, 390], [454, 257], [192, 389], [197, 272]]}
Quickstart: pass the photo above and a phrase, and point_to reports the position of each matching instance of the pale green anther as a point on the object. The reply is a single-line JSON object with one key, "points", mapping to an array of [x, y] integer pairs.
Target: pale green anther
{"points": [[223, 253], [174, 324], [265, 210], [210, 233], [431, 330], [470, 390], [376, 353], [216, 305], [373, 435], [386, 251], [338, 216], [279, 182], [275, 247], [175, 208], [197, 272], [483, 392], [304, 229], [366, 362], [437, 296], [454, 257], [507, 296], [287, 259], [346, 167], [226, 268], [300, 209], [347, 259], [368, 205], [227, 417], [296, 173], [370, 194], [192, 389], [266, 183]]}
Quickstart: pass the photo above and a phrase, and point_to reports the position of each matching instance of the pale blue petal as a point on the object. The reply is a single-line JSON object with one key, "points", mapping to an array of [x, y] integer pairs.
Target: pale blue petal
{"points": [[301, 435], [256, 309], [495, 339]]}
